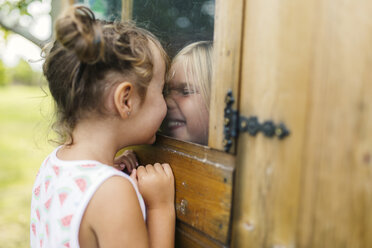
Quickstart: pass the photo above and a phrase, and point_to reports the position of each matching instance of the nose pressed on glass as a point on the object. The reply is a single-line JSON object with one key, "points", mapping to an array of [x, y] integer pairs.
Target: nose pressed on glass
{"points": [[187, 93], [185, 29]]}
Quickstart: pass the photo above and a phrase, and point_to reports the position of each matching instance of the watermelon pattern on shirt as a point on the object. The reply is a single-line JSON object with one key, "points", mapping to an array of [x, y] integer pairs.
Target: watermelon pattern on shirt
{"points": [[61, 193]]}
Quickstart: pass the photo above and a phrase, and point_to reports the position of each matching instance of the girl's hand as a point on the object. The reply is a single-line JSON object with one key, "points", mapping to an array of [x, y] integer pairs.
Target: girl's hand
{"points": [[156, 184], [126, 162]]}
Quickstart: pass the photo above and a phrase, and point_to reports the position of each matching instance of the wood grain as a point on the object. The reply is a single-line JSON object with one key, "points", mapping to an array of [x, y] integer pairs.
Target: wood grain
{"points": [[307, 64], [126, 10], [203, 179], [337, 176], [227, 54], [188, 237]]}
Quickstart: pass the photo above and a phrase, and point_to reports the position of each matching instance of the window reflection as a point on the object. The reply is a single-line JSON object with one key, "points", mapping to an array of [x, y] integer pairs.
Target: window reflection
{"points": [[187, 93], [176, 22], [103, 9], [186, 30]]}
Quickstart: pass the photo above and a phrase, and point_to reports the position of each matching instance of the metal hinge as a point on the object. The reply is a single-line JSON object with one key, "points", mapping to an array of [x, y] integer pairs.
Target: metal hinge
{"points": [[235, 124]]}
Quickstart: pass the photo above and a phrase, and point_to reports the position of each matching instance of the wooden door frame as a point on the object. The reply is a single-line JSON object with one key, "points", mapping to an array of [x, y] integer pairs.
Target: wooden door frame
{"points": [[191, 231], [227, 43]]}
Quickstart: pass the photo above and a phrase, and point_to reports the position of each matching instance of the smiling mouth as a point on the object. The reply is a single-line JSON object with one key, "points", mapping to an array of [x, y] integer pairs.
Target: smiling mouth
{"points": [[174, 124]]}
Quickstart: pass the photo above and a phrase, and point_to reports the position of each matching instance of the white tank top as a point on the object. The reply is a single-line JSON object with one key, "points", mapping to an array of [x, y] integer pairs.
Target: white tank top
{"points": [[60, 195]]}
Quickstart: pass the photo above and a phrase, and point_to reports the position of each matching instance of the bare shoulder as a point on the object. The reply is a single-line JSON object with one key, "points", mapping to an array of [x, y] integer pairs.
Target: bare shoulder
{"points": [[116, 189], [114, 215]]}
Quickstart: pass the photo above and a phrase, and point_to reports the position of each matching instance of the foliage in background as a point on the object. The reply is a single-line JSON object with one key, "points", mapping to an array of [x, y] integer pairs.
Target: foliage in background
{"points": [[20, 74], [23, 74], [4, 76], [15, 17], [20, 6], [24, 120]]}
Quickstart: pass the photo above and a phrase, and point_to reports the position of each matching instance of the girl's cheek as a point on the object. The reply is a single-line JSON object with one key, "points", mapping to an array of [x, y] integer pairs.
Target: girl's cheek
{"points": [[164, 109]]}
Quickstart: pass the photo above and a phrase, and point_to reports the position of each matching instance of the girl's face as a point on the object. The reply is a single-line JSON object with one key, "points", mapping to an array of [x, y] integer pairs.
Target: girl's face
{"points": [[187, 117], [152, 109]]}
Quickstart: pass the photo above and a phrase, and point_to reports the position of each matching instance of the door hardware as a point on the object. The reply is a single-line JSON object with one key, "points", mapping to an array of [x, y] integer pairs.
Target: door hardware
{"points": [[235, 124]]}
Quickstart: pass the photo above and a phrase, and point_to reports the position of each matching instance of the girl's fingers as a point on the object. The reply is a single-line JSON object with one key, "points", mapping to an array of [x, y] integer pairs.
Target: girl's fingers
{"points": [[118, 167], [150, 168], [168, 170], [129, 164], [133, 159], [126, 155], [125, 163], [158, 168], [120, 163], [133, 175], [141, 171]]}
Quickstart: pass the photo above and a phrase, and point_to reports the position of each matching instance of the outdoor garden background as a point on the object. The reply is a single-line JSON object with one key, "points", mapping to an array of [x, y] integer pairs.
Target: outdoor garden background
{"points": [[25, 117]]}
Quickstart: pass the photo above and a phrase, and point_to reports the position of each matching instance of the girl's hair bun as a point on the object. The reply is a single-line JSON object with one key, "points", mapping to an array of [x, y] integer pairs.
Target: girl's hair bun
{"points": [[79, 32]]}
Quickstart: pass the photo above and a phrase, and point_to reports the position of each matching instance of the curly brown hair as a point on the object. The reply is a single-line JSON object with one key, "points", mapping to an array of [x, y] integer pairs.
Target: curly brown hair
{"points": [[90, 56]]}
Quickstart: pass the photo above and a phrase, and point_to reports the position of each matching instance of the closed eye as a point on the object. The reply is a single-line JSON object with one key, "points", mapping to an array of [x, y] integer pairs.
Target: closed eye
{"points": [[186, 92]]}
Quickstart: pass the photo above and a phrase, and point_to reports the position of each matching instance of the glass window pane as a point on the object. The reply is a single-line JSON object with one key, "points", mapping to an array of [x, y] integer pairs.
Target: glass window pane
{"points": [[176, 22], [186, 31], [185, 28], [103, 9]]}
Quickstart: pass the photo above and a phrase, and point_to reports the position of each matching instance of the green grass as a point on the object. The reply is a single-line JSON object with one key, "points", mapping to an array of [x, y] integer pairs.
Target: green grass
{"points": [[24, 120]]}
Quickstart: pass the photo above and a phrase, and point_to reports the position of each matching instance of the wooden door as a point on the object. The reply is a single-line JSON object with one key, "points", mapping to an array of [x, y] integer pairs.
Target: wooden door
{"points": [[204, 180], [204, 175], [307, 64]]}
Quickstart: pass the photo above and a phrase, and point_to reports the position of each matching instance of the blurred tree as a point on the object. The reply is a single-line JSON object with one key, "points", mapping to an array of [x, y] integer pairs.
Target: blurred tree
{"points": [[12, 12]]}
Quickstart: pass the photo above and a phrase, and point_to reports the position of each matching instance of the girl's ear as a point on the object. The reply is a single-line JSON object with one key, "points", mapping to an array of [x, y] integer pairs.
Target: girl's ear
{"points": [[123, 99]]}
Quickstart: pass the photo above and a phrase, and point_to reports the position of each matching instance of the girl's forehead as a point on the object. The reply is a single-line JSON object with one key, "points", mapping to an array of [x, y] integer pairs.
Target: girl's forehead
{"points": [[158, 59], [178, 69]]}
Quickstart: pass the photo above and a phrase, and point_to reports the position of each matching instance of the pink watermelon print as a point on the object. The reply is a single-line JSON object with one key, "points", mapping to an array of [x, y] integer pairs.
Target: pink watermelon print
{"points": [[47, 203], [47, 229], [67, 244], [37, 191], [81, 183], [47, 185], [41, 243], [65, 221], [62, 197], [88, 165], [38, 214], [56, 169], [47, 182], [33, 227]]}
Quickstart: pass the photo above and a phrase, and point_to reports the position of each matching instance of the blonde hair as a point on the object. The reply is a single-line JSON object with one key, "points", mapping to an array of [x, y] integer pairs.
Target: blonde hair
{"points": [[197, 62]]}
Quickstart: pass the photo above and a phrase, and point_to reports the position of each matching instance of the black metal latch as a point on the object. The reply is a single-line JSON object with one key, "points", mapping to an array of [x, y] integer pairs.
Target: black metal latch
{"points": [[235, 124]]}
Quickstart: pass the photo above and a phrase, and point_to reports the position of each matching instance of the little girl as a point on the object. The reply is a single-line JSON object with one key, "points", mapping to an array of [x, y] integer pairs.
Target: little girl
{"points": [[188, 93], [107, 81]]}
